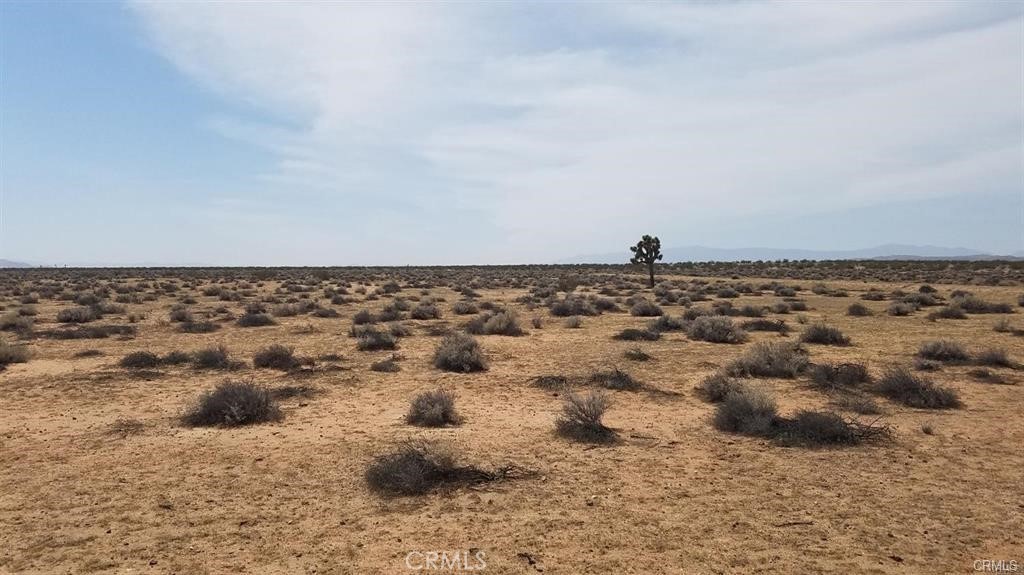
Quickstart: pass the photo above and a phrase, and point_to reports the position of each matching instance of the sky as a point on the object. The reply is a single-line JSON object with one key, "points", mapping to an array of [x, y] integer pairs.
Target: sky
{"points": [[273, 133]]}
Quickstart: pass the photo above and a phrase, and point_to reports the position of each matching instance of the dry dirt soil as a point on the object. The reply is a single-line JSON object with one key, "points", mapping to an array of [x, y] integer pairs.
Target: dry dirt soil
{"points": [[98, 474]]}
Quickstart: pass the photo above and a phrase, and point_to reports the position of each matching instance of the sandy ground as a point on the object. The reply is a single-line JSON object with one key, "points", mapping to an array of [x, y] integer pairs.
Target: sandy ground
{"points": [[79, 494]]}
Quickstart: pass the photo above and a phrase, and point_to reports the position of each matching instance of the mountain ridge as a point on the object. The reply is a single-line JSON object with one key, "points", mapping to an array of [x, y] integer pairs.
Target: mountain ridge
{"points": [[700, 253]]}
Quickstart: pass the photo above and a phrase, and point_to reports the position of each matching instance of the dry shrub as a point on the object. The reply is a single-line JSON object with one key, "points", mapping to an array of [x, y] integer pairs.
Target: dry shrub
{"points": [[858, 310], [215, 357], [10, 353], [717, 386], [715, 329], [770, 359], [76, 315], [140, 360], [748, 410], [839, 376], [416, 468], [645, 308], [995, 357], [943, 350], [433, 409], [459, 352], [900, 385], [633, 334], [371, 339], [581, 416], [615, 379], [820, 333], [500, 323], [233, 404], [276, 357], [255, 320]]}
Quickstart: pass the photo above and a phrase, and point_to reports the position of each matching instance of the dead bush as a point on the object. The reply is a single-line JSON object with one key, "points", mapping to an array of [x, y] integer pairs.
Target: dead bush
{"points": [[581, 418], [433, 409], [459, 352], [233, 404]]}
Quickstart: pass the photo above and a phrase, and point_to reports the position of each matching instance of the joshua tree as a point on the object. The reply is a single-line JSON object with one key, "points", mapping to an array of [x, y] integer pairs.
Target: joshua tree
{"points": [[647, 251]]}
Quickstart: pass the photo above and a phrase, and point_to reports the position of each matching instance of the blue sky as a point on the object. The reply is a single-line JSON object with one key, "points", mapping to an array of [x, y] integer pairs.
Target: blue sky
{"points": [[347, 134]]}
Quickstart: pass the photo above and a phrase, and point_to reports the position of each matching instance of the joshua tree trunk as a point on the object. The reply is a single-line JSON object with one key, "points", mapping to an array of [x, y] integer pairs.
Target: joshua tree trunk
{"points": [[650, 270]]}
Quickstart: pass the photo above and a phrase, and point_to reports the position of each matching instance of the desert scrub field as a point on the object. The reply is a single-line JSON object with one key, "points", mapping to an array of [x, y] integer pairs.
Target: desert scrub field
{"points": [[778, 418]]}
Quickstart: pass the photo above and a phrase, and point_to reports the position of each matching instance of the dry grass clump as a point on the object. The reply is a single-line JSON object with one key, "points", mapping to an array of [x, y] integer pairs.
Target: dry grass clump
{"points": [[369, 338], [636, 354], [417, 467], [900, 385], [12, 353], [858, 404], [574, 322], [433, 409], [995, 357], [615, 379], [141, 360], [459, 352], [77, 315], [215, 357], [572, 305], [666, 323], [973, 304], [770, 359], [552, 382], [858, 310], [717, 386], [747, 410], [948, 312], [581, 417], [276, 357], [823, 334], [817, 428], [464, 308], [715, 329], [500, 323], [255, 320], [645, 308], [232, 404], [839, 376], [425, 310], [773, 325], [633, 334], [900, 309], [943, 350], [199, 327], [389, 365], [988, 376]]}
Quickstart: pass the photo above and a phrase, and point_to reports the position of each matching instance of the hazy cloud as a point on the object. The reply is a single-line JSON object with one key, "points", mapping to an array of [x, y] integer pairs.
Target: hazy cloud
{"points": [[580, 125]]}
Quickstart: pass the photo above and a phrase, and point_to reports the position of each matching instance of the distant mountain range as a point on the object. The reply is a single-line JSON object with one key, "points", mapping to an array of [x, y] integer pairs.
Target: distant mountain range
{"points": [[708, 254], [883, 252]]}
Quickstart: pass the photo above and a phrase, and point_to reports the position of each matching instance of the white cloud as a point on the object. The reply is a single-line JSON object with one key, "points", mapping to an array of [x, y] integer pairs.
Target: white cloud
{"points": [[588, 125]]}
